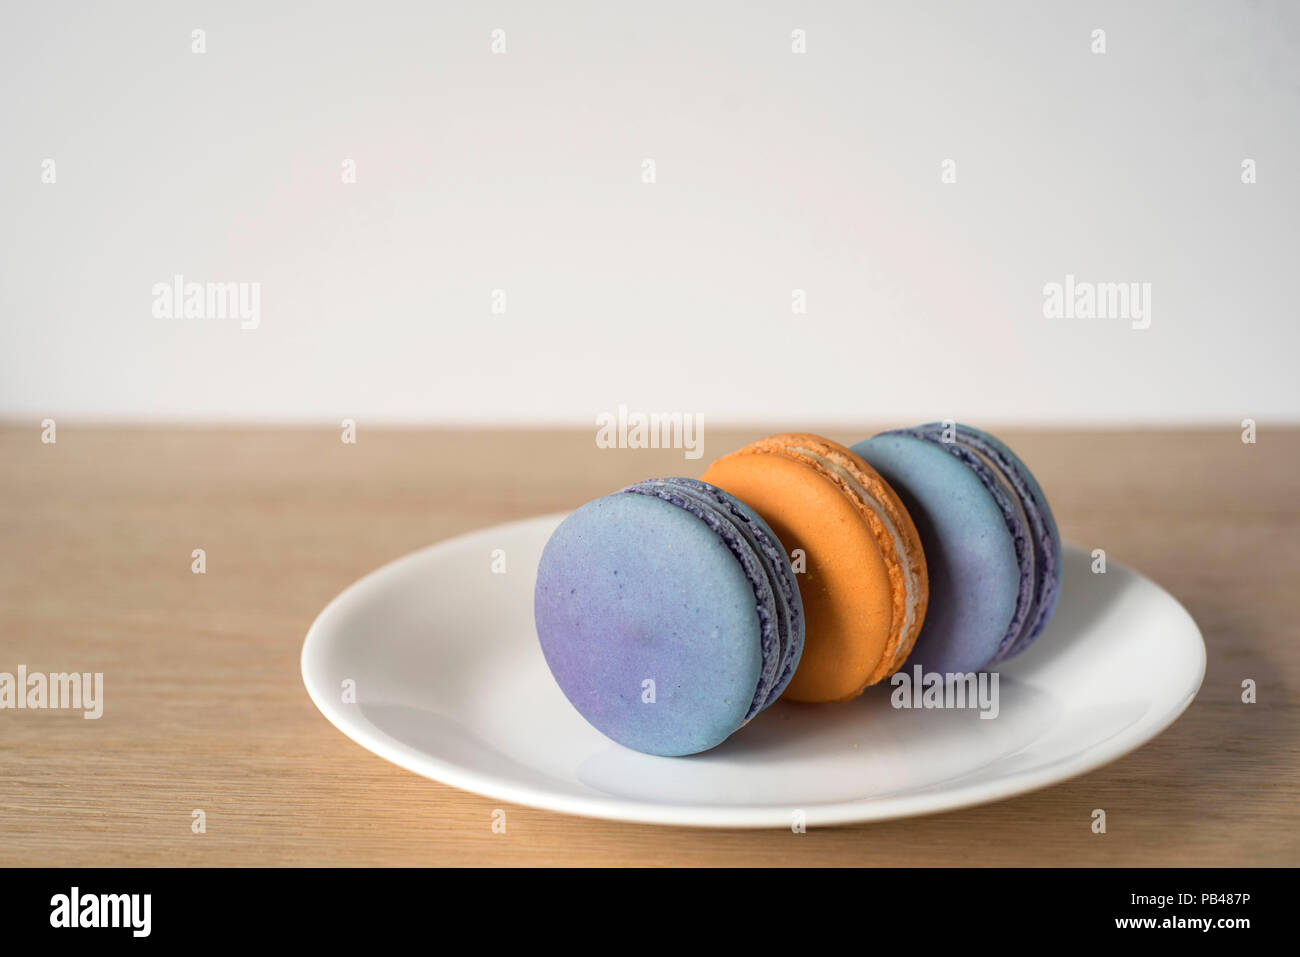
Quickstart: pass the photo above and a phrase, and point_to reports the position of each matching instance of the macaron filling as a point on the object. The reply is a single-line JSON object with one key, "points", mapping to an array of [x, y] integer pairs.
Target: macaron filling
{"points": [[775, 593]]}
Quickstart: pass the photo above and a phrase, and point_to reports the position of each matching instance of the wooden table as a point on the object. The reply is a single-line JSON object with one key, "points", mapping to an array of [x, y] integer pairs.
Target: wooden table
{"points": [[205, 708]]}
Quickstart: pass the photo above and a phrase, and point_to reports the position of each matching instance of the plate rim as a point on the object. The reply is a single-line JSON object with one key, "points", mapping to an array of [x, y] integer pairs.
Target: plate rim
{"points": [[612, 808]]}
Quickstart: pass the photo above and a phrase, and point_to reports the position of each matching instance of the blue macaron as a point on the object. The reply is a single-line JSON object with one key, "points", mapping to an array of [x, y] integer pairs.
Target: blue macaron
{"points": [[668, 614], [990, 540]]}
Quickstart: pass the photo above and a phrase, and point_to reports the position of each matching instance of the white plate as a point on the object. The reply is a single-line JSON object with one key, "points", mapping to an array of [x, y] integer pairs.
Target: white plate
{"points": [[450, 682]]}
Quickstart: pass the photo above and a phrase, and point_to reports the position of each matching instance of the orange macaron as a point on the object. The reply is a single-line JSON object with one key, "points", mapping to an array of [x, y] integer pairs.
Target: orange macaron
{"points": [[861, 570]]}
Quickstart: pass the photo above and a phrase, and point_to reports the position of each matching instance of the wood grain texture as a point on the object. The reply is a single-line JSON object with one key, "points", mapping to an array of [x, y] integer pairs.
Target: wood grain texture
{"points": [[206, 709]]}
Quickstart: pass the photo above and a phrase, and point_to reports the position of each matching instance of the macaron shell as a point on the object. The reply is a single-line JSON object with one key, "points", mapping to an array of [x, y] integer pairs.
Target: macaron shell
{"points": [[999, 484], [713, 507], [895, 532], [974, 572], [771, 554], [848, 596], [630, 588]]}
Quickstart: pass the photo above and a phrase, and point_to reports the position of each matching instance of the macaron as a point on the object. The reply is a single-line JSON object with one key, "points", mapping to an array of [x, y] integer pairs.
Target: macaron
{"points": [[860, 563], [991, 541], [669, 615]]}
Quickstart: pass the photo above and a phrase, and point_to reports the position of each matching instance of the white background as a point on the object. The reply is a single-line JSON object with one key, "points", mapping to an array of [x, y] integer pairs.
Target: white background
{"points": [[775, 171]]}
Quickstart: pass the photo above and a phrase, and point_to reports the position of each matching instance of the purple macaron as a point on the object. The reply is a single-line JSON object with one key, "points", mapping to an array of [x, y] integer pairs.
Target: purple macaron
{"points": [[991, 543], [668, 614]]}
